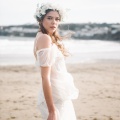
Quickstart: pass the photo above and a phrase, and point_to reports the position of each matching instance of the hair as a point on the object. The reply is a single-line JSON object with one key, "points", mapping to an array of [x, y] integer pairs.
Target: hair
{"points": [[56, 38]]}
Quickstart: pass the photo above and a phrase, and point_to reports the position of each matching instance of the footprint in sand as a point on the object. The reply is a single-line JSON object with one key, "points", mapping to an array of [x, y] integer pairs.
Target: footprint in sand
{"points": [[15, 109], [22, 96], [14, 101], [7, 100], [94, 118], [110, 118], [12, 117]]}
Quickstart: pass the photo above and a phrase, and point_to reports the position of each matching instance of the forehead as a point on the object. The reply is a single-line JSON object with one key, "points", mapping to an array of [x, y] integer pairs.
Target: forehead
{"points": [[53, 14]]}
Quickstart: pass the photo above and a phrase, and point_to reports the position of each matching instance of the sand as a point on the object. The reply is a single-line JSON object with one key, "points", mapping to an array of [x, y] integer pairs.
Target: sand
{"points": [[98, 83]]}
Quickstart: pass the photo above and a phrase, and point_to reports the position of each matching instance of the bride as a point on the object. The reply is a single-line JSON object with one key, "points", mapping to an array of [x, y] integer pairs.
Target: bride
{"points": [[57, 89]]}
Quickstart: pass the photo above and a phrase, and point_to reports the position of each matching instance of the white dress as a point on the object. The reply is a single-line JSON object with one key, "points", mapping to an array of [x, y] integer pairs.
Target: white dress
{"points": [[62, 84]]}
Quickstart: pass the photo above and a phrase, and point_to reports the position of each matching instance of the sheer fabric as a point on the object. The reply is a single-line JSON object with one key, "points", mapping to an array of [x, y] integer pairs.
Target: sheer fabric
{"points": [[45, 57], [62, 84]]}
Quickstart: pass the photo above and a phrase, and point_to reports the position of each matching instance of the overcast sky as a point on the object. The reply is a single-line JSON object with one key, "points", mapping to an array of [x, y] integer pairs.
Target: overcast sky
{"points": [[16, 12]]}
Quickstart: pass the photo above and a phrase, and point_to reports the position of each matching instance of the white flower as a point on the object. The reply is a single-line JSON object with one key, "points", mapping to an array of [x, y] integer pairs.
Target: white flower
{"points": [[40, 11]]}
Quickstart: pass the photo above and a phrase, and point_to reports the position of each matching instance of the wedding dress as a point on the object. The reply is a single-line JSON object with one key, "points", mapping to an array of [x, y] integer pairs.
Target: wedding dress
{"points": [[62, 84]]}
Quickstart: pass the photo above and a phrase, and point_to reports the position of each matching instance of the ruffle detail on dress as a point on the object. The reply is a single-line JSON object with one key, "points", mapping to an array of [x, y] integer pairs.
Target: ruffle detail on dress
{"points": [[64, 88]]}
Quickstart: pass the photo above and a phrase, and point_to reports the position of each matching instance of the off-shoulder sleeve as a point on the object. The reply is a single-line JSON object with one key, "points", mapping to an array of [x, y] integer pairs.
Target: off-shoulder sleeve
{"points": [[45, 57]]}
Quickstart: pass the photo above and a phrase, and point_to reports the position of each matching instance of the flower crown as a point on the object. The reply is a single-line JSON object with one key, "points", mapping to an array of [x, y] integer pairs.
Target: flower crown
{"points": [[40, 11]]}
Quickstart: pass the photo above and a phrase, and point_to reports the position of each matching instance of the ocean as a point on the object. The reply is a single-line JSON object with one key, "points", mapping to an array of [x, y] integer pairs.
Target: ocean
{"points": [[19, 51]]}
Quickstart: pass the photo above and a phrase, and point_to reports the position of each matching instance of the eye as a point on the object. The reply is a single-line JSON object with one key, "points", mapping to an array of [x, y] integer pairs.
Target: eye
{"points": [[57, 19], [49, 18]]}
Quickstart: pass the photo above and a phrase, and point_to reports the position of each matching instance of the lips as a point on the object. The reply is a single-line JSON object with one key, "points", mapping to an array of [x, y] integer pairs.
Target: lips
{"points": [[53, 27]]}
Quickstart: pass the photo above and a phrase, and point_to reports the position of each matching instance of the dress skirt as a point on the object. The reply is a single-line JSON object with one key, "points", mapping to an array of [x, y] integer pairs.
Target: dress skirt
{"points": [[65, 110]]}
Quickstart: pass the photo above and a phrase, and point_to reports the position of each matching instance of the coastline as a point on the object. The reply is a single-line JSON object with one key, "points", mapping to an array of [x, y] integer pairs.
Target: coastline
{"points": [[98, 83]]}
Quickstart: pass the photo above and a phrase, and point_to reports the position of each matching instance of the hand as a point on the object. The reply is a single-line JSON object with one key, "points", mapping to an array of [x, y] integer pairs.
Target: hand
{"points": [[52, 116]]}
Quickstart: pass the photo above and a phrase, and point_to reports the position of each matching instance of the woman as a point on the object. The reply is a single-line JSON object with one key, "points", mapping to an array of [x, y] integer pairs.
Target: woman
{"points": [[57, 89]]}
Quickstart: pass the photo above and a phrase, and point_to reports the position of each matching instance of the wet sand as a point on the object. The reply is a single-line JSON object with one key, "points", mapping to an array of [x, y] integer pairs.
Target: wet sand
{"points": [[98, 83]]}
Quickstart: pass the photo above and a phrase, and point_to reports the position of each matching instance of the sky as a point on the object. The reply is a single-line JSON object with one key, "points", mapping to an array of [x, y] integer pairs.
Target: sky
{"points": [[17, 12]]}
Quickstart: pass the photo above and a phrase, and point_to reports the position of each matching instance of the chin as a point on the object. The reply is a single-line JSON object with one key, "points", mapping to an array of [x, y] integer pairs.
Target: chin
{"points": [[51, 32]]}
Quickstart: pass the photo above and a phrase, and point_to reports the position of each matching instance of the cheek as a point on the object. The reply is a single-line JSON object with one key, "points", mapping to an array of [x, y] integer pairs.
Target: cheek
{"points": [[45, 24]]}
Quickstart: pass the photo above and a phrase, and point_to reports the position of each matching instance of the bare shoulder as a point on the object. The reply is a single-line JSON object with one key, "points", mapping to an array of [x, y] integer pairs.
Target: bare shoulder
{"points": [[43, 41]]}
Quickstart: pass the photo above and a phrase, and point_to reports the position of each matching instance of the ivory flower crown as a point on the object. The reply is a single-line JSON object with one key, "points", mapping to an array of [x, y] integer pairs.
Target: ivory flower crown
{"points": [[40, 11]]}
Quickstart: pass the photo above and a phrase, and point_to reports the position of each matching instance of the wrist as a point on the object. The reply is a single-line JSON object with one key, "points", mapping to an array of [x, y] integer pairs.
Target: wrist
{"points": [[52, 109]]}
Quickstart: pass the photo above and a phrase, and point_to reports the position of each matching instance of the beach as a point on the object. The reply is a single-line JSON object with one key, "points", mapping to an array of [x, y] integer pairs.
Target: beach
{"points": [[98, 84]]}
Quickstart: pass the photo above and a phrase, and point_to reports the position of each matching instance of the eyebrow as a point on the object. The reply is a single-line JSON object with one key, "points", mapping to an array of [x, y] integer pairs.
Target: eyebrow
{"points": [[53, 17]]}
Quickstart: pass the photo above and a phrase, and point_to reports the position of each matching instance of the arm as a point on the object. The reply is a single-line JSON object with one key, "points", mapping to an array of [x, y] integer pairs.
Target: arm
{"points": [[45, 42], [45, 73]]}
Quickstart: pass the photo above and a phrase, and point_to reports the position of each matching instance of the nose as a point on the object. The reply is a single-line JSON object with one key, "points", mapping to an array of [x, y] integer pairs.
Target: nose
{"points": [[53, 21]]}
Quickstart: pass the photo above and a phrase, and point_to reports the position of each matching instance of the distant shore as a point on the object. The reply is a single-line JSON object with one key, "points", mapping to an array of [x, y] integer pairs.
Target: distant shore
{"points": [[100, 31], [98, 83]]}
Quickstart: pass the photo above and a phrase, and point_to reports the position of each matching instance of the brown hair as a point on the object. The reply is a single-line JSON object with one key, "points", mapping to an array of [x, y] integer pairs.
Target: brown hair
{"points": [[56, 38]]}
